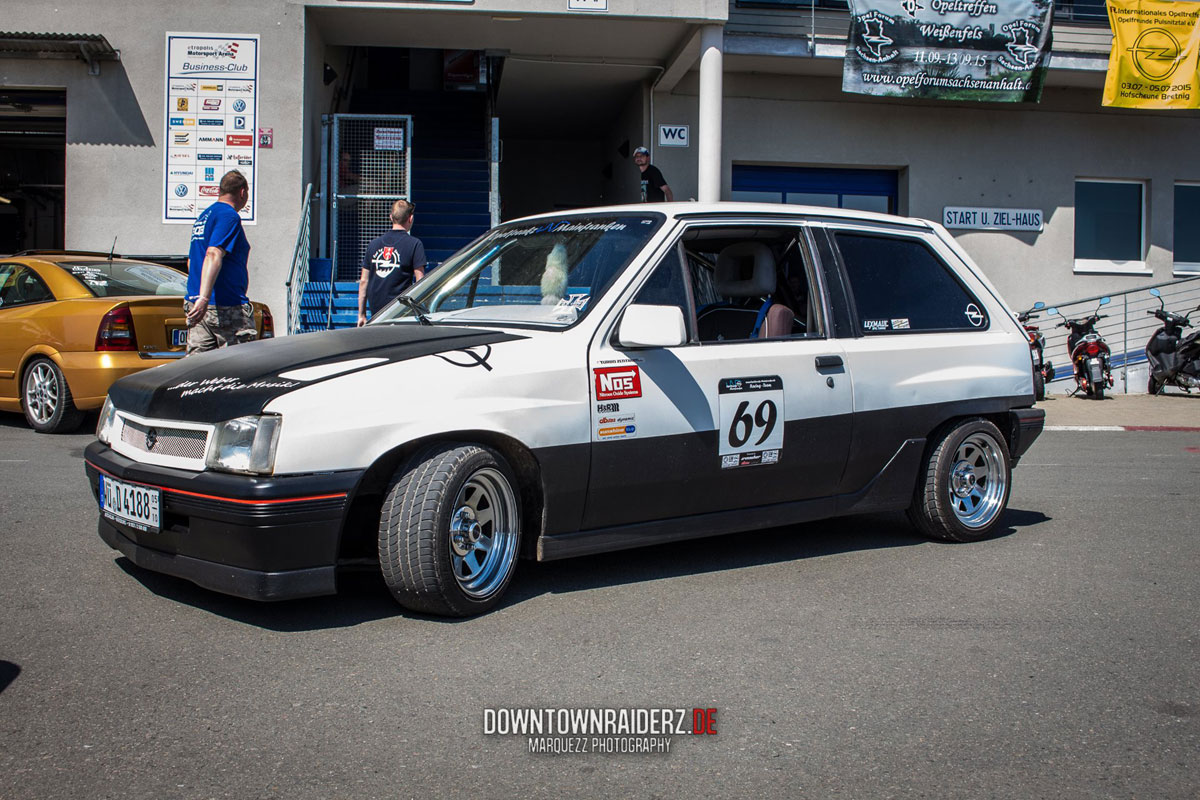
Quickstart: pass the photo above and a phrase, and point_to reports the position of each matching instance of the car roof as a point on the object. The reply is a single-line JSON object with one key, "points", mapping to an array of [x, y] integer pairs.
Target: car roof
{"points": [[696, 210]]}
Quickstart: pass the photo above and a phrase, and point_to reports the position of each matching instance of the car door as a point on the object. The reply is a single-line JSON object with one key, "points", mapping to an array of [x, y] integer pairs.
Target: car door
{"points": [[716, 424], [21, 293]]}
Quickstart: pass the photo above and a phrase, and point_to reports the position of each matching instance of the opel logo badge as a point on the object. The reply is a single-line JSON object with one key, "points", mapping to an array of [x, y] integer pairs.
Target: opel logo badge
{"points": [[151, 439]]}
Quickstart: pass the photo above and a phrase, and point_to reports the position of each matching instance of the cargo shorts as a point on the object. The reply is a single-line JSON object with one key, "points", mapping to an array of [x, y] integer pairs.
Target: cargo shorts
{"points": [[222, 326]]}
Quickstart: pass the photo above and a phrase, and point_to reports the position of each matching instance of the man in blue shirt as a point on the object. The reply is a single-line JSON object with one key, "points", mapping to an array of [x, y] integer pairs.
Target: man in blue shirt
{"points": [[218, 312]]}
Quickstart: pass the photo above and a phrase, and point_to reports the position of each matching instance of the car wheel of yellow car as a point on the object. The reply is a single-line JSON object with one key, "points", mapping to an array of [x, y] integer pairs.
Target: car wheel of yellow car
{"points": [[46, 399]]}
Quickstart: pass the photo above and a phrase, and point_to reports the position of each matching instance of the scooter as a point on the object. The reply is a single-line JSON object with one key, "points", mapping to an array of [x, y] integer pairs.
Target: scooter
{"points": [[1089, 352], [1043, 371], [1174, 358]]}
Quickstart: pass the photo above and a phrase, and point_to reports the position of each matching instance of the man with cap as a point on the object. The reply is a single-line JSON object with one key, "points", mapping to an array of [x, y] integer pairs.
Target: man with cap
{"points": [[654, 185]]}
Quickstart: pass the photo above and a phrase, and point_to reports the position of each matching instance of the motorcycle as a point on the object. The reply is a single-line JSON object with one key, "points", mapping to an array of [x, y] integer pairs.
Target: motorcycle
{"points": [[1174, 358], [1089, 352], [1043, 371]]}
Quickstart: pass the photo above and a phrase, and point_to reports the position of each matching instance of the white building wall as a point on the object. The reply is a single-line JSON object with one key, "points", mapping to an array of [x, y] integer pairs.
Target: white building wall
{"points": [[115, 124], [986, 155]]}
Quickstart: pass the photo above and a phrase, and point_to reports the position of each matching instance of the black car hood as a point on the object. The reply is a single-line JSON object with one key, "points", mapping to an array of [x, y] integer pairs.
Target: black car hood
{"points": [[240, 381]]}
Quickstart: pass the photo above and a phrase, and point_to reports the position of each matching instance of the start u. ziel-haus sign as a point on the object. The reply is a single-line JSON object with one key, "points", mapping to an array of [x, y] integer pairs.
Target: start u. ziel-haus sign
{"points": [[992, 219]]}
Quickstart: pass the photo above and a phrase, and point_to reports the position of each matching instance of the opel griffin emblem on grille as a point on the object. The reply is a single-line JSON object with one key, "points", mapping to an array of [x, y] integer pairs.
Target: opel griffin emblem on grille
{"points": [[151, 439]]}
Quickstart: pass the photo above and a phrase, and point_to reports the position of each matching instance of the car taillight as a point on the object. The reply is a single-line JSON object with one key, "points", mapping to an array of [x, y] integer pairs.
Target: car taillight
{"points": [[116, 330], [1093, 349], [268, 331]]}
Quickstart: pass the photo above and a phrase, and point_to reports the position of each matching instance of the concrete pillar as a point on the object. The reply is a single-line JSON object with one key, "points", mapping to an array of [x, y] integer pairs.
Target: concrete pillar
{"points": [[712, 42]]}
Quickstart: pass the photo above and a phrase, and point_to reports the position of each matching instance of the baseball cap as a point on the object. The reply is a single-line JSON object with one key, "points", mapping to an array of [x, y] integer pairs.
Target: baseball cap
{"points": [[642, 151]]}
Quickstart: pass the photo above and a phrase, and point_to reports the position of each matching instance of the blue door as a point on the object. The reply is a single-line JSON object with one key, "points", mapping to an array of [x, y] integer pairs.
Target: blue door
{"points": [[861, 189]]}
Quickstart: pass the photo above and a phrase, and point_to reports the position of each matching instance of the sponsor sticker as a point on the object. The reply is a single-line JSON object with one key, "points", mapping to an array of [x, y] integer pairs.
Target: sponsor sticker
{"points": [[875, 324], [617, 383], [209, 190], [212, 104], [208, 156], [181, 104], [184, 138], [616, 426], [608, 408], [751, 413], [239, 140], [239, 105], [182, 122], [901, 324]]}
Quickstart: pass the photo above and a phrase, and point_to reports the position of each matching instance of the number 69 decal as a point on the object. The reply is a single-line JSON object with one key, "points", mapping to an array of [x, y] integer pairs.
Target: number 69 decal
{"points": [[751, 414]]}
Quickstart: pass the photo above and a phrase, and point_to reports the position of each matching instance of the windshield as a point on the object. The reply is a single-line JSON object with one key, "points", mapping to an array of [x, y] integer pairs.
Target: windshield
{"points": [[127, 278], [540, 273]]}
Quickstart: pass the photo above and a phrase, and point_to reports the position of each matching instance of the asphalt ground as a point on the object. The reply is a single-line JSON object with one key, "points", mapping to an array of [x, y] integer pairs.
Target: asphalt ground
{"points": [[1171, 410], [846, 658]]}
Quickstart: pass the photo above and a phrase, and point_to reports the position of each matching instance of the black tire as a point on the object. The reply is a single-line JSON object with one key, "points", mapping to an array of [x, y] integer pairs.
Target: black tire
{"points": [[46, 399], [951, 503], [1098, 391], [1039, 385], [1153, 386], [450, 530]]}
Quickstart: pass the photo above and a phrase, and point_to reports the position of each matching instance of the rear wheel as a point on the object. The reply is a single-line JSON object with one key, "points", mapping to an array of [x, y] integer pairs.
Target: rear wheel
{"points": [[1039, 385], [1098, 391], [450, 530], [46, 399], [966, 484]]}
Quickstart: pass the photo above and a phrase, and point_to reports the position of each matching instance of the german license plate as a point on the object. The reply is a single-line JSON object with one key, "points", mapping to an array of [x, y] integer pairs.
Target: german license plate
{"points": [[136, 506], [178, 337]]}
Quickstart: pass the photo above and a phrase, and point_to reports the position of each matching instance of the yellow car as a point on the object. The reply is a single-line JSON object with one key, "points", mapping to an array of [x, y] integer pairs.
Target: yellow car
{"points": [[72, 323]]}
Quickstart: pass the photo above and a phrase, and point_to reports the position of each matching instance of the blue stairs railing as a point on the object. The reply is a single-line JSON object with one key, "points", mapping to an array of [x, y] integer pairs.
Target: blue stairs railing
{"points": [[450, 187]]}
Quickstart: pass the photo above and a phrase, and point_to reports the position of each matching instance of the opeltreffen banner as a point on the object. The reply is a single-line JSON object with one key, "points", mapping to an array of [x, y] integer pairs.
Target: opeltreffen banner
{"points": [[991, 50], [1153, 63]]}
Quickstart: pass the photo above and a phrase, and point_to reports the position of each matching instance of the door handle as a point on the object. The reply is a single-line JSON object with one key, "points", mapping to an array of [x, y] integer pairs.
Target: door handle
{"points": [[825, 362]]}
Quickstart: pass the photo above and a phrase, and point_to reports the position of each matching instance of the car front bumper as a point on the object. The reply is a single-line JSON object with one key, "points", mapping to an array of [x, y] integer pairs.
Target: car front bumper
{"points": [[263, 538]]}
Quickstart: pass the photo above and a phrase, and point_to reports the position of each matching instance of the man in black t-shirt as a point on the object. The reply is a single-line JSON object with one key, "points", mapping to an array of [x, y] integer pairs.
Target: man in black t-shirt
{"points": [[392, 263], [654, 185]]}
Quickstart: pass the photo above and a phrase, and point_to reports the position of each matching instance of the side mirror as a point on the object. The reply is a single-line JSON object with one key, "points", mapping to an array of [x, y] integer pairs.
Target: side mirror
{"points": [[1052, 310], [652, 326], [1156, 292], [1039, 305], [1105, 300]]}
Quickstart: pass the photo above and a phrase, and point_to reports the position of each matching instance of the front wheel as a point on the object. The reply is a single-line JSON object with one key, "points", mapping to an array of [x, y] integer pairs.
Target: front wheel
{"points": [[966, 484], [1153, 386], [450, 530], [46, 399]]}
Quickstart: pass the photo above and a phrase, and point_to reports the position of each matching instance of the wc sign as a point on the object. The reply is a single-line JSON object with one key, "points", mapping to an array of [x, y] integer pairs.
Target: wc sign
{"points": [[673, 135]]}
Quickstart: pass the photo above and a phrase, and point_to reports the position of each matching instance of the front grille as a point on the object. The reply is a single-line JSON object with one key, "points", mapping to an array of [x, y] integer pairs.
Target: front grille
{"points": [[176, 442]]}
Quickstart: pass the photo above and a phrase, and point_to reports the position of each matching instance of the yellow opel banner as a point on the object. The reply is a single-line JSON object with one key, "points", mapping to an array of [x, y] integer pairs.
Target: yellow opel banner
{"points": [[1153, 63]]}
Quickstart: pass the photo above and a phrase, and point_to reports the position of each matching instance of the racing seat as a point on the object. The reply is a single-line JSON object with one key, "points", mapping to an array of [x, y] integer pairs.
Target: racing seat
{"points": [[745, 270]]}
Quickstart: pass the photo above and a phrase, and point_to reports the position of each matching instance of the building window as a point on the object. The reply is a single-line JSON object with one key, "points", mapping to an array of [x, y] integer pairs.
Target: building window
{"points": [[1110, 226], [1187, 228]]}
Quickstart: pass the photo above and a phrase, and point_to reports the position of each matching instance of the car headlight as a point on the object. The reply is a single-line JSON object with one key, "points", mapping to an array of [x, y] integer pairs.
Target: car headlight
{"points": [[245, 444], [108, 422]]}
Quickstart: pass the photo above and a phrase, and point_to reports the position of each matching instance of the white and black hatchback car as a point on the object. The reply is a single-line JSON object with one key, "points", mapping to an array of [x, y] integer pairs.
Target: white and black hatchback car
{"points": [[577, 383]]}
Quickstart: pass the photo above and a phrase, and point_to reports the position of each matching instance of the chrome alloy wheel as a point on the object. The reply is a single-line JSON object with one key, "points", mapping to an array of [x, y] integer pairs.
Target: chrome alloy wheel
{"points": [[41, 392], [977, 480], [483, 533]]}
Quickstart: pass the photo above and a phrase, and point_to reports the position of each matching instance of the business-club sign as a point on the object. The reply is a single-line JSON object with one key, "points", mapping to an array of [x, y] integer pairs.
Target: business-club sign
{"points": [[211, 118], [988, 50], [1155, 58]]}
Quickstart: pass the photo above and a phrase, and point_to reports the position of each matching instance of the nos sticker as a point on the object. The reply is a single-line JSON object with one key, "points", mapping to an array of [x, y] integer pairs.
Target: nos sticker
{"points": [[616, 383], [751, 411]]}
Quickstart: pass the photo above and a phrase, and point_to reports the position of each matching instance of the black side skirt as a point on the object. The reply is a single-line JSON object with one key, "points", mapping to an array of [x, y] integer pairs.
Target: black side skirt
{"points": [[890, 490]]}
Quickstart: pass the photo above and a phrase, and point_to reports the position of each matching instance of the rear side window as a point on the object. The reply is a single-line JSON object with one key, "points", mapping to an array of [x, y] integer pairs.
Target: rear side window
{"points": [[900, 285], [127, 278]]}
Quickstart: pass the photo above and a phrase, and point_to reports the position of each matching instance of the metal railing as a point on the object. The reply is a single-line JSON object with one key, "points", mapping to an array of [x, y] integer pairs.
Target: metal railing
{"points": [[1126, 328], [298, 275]]}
